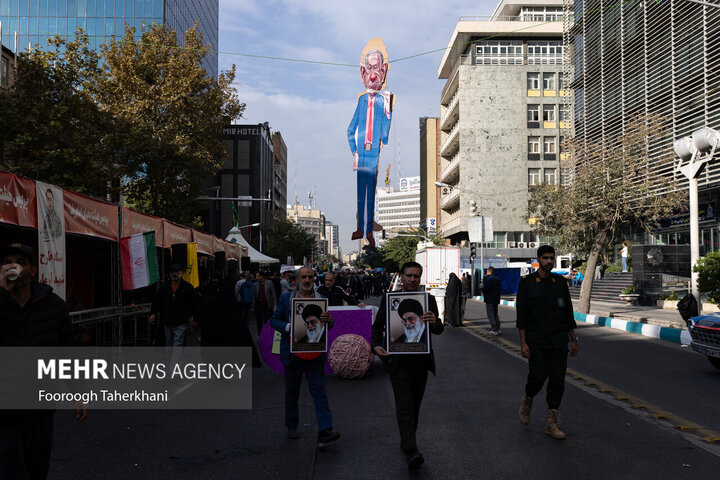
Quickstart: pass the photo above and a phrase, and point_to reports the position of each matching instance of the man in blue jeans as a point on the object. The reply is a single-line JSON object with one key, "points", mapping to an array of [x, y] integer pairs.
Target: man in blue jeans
{"points": [[312, 364], [176, 303]]}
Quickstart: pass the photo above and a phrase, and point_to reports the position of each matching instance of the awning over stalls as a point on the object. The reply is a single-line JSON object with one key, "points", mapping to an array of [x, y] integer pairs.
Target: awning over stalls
{"points": [[204, 242], [135, 222]]}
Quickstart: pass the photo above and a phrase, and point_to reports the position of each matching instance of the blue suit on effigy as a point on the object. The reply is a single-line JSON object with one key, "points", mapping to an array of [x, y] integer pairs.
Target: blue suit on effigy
{"points": [[368, 155]]}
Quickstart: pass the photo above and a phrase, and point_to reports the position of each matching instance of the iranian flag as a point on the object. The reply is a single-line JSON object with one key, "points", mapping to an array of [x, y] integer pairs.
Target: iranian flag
{"points": [[139, 261]]}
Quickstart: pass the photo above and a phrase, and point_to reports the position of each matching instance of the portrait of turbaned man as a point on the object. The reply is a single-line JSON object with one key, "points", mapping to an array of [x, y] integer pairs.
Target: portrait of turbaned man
{"points": [[407, 332], [308, 332]]}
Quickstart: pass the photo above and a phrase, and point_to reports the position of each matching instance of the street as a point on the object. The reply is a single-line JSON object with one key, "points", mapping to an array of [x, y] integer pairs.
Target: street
{"points": [[468, 427]]}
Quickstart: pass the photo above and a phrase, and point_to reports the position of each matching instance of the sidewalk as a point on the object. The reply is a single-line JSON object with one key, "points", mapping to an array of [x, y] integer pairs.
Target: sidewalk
{"points": [[643, 320]]}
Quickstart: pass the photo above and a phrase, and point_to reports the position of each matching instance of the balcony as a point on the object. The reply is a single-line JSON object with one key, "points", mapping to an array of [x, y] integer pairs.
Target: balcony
{"points": [[451, 173], [453, 226], [450, 200], [451, 143], [453, 82], [451, 113]]}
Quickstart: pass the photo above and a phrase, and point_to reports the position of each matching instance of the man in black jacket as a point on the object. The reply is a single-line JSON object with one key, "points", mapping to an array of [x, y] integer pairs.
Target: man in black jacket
{"points": [[546, 324], [491, 297], [176, 303], [408, 373], [335, 294], [30, 316]]}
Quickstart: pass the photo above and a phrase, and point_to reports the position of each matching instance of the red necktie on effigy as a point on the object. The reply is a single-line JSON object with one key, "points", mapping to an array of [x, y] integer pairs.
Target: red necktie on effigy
{"points": [[369, 121]]}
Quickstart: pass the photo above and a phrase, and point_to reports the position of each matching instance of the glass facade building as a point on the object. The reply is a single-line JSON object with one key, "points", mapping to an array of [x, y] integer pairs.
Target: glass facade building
{"points": [[36, 20], [650, 58]]}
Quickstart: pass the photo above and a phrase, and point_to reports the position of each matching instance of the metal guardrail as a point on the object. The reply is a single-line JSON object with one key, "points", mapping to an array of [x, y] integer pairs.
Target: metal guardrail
{"points": [[108, 325], [108, 313], [538, 17]]}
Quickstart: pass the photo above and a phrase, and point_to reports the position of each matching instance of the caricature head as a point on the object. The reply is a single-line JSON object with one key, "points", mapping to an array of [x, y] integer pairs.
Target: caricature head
{"points": [[373, 70]]}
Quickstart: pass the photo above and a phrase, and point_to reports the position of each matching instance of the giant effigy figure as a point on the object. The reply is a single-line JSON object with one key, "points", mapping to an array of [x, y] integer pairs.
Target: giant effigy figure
{"points": [[368, 131]]}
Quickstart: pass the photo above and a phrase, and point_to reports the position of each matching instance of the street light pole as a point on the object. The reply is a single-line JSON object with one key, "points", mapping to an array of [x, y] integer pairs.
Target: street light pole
{"points": [[688, 149]]}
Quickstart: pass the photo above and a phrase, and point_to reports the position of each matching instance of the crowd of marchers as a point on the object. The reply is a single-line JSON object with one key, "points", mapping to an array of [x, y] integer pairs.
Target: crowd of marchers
{"points": [[32, 315]]}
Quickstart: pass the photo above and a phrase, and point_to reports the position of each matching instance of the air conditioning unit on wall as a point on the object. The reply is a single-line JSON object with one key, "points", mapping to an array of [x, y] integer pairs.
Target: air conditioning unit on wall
{"points": [[522, 244], [532, 245], [511, 244]]}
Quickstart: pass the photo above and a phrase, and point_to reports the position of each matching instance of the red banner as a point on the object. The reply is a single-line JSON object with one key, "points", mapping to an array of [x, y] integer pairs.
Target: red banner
{"points": [[135, 222], [204, 242], [174, 233], [87, 216], [18, 205]]}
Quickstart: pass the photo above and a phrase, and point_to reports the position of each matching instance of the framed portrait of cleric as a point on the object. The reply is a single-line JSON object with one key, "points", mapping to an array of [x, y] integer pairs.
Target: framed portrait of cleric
{"points": [[307, 332], [406, 332]]}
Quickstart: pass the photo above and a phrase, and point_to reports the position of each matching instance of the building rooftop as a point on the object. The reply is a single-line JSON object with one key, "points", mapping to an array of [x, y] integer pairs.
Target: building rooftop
{"points": [[504, 20]]}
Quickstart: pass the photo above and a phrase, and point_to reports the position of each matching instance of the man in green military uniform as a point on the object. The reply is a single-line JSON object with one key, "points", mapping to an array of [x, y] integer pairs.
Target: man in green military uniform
{"points": [[546, 324]]}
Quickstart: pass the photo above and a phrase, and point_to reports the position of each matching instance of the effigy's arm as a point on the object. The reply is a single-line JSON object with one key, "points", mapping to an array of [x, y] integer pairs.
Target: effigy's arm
{"points": [[353, 128]]}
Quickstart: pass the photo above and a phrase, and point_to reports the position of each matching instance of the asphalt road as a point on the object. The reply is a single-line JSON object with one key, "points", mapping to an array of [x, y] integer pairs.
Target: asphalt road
{"points": [[661, 373], [468, 427]]}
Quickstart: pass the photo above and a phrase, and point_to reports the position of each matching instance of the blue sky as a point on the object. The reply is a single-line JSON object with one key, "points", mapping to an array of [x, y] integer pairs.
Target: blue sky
{"points": [[311, 105]]}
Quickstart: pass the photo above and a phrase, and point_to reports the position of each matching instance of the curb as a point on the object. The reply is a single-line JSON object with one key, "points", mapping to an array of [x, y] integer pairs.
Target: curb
{"points": [[674, 335]]}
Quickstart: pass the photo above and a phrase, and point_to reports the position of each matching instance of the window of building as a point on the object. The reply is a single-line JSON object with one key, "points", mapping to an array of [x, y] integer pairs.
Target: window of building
{"points": [[533, 144], [549, 145], [533, 113], [533, 176], [550, 176], [548, 113], [533, 81], [4, 71], [533, 148], [541, 14], [545, 52], [548, 81], [499, 52]]}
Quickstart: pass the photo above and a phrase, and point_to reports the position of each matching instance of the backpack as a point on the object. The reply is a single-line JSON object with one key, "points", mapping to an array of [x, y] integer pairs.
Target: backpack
{"points": [[247, 292]]}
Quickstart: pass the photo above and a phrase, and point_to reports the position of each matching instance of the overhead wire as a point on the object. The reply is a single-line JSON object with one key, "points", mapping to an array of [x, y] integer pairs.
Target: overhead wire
{"points": [[338, 64]]}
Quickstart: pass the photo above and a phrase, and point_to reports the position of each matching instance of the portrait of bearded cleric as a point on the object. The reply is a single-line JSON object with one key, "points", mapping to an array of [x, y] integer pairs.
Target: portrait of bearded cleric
{"points": [[408, 332], [308, 331]]}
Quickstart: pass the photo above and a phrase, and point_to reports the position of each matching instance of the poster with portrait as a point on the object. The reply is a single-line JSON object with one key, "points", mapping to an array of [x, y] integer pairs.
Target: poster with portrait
{"points": [[51, 237], [307, 332], [405, 328]]}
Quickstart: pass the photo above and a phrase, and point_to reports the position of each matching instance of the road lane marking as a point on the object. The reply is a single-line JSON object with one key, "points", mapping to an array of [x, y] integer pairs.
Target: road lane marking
{"points": [[698, 435]]}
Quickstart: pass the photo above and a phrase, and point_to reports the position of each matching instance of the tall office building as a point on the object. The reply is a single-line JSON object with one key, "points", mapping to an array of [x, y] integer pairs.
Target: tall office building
{"points": [[503, 111], [399, 209], [657, 58], [429, 174], [332, 238], [313, 222], [279, 193], [247, 172], [36, 20]]}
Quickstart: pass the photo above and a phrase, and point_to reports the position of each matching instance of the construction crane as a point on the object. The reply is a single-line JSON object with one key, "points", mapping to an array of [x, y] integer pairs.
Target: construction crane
{"points": [[387, 177]]}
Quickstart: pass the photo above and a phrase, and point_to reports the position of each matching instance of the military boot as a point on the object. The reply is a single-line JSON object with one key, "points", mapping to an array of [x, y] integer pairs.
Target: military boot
{"points": [[552, 426], [525, 407]]}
